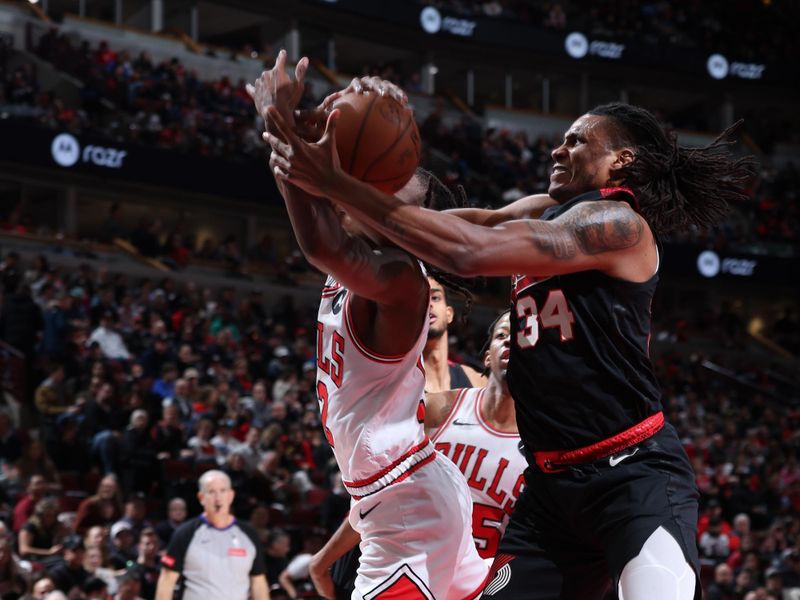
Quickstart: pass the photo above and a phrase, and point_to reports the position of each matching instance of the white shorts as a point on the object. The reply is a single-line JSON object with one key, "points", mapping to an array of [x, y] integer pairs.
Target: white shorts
{"points": [[416, 538]]}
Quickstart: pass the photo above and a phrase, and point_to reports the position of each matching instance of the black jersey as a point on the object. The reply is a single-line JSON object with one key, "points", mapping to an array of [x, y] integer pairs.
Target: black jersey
{"points": [[580, 370], [458, 377]]}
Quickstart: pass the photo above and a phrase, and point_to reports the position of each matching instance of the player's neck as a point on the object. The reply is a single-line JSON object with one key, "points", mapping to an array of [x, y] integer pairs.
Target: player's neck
{"points": [[498, 406], [434, 355]]}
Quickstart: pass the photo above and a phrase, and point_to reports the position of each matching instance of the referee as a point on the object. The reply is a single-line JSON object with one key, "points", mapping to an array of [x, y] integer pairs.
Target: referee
{"points": [[216, 557]]}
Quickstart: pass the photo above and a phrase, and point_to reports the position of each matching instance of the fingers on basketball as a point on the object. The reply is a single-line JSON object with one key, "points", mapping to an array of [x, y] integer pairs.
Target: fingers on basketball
{"points": [[377, 140]]}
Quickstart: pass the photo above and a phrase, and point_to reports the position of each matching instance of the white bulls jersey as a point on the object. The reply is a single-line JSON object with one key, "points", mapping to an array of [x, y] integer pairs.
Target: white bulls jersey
{"points": [[371, 405], [490, 460]]}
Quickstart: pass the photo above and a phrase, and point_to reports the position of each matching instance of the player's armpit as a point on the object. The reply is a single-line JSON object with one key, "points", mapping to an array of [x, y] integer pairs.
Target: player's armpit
{"points": [[437, 407]]}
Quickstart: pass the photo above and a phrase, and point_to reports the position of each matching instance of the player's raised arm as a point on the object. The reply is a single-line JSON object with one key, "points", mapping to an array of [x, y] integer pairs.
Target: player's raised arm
{"points": [[528, 207], [317, 227], [606, 235]]}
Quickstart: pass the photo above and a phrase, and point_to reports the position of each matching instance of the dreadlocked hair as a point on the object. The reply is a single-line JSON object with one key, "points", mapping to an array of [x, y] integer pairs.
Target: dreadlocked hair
{"points": [[677, 186], [440, 197]]}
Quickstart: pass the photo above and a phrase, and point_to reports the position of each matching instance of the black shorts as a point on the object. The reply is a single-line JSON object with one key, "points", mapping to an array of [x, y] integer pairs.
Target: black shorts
{"points": [[573, 532], [344, 573]]}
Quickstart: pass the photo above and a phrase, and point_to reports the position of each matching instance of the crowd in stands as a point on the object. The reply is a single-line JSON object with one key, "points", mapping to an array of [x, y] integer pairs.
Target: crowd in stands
{"points": [[140, 385], [760, 31], [166, 106]]}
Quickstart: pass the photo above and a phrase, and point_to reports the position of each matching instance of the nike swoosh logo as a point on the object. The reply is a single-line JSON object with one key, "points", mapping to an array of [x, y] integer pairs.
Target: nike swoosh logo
{"points": [[457, 422], [615, 460], [363, 514]]}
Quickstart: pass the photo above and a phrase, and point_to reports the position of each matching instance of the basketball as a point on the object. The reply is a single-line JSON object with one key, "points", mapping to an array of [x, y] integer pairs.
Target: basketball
{"points": [[377, 140]]}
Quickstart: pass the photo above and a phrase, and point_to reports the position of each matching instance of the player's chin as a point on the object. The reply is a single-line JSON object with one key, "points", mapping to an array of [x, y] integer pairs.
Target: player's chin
{"points": [[558, 191]]}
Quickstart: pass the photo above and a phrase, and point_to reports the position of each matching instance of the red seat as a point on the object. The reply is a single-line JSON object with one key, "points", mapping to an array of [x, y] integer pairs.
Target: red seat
{"points": [[177, 470]]}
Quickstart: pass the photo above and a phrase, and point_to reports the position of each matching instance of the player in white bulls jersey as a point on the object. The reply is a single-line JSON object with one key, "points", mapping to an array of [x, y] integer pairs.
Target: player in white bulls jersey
{"points": [[477, 430], [410, 508]]}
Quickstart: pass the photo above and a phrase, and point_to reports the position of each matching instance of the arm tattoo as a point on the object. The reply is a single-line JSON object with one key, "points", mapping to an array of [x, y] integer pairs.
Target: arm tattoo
{"points": [[606, 226], [592, 229], [559, 245]]}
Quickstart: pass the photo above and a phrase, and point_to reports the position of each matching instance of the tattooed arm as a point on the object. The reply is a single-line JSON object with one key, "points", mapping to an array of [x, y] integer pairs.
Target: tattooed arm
{"points": [[437, 408], [601, 235]]}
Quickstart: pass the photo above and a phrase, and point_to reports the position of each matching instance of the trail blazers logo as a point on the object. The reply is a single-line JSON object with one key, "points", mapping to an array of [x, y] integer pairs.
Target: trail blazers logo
{"points": [[522, 282]]}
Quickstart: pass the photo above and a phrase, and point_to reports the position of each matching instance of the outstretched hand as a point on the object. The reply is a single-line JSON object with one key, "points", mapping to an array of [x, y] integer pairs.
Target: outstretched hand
{"points": [[360, 85], [313, 167], [275, 88]]}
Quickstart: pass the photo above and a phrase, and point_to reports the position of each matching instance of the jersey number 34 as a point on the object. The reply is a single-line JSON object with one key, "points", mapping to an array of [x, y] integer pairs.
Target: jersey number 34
{"points": [[554, 313]]}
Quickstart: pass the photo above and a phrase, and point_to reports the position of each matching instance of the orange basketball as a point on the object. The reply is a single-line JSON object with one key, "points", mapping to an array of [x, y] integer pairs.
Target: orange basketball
{"points": [[377, 140]]}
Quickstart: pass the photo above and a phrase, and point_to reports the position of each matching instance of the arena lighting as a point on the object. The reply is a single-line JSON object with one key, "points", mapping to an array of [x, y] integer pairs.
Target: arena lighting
{"points": [[34, 1]]}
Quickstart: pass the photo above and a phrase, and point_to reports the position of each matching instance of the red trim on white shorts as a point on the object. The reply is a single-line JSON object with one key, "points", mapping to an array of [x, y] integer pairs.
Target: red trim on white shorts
{"points": [[373, 478]]}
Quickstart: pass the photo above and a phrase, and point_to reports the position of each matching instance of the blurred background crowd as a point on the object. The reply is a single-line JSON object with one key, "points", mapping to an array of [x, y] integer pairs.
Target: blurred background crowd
{"points": [[127, 375]]}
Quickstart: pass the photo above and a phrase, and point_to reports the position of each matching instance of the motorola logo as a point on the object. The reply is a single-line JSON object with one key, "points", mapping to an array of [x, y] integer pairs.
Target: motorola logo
{"points": [[65, 150], [576, 45], [430, 19], [717, 66], [708, 263]]}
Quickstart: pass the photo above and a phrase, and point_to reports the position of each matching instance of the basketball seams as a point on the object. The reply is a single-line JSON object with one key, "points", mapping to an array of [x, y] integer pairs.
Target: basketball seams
{"points": [[386, 152], [361, 128]]}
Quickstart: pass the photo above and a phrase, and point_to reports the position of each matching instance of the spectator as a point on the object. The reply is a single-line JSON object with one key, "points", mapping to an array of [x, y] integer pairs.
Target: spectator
{"points": [[67, 449], [722, 586], [104, 508], [70, 574], [40, 537], [276, 553], [23, 510], [136, 514], [200, 443], [10, 439], [165, 386], [129, 587], [36, 461], [147, 564], [50, 396], [123, 545], [13, 579], [170, 434], [42, 587], [93, 563], [138, 453], [110, 342], [176, 515], [95, 588], [20, 320]]}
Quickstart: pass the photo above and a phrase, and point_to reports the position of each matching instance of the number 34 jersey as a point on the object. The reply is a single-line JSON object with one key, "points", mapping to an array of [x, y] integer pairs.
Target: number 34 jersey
{"points": [[372, 405], [580, 369], [492, 463]]}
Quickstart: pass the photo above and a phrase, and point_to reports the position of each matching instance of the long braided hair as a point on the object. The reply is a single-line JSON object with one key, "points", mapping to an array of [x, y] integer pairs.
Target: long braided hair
{"points": [[677, 186], [439, 197]]}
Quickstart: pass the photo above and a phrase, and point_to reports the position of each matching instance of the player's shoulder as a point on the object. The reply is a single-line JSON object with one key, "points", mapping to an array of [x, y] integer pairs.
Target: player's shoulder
{"points": [[188, 527]]}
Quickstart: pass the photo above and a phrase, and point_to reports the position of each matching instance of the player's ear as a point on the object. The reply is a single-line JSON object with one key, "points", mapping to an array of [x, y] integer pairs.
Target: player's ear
{"points": [[624, 157], [450, 314], [486, 359]]}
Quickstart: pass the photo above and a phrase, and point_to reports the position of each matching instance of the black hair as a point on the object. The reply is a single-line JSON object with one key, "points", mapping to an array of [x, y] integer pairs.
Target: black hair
{"points": [[440, 197], [489, 335], [677, 186]]}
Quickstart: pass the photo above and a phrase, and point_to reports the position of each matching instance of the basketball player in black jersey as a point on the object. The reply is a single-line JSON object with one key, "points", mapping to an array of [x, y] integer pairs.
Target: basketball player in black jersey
{"points": [[611, 499]]}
